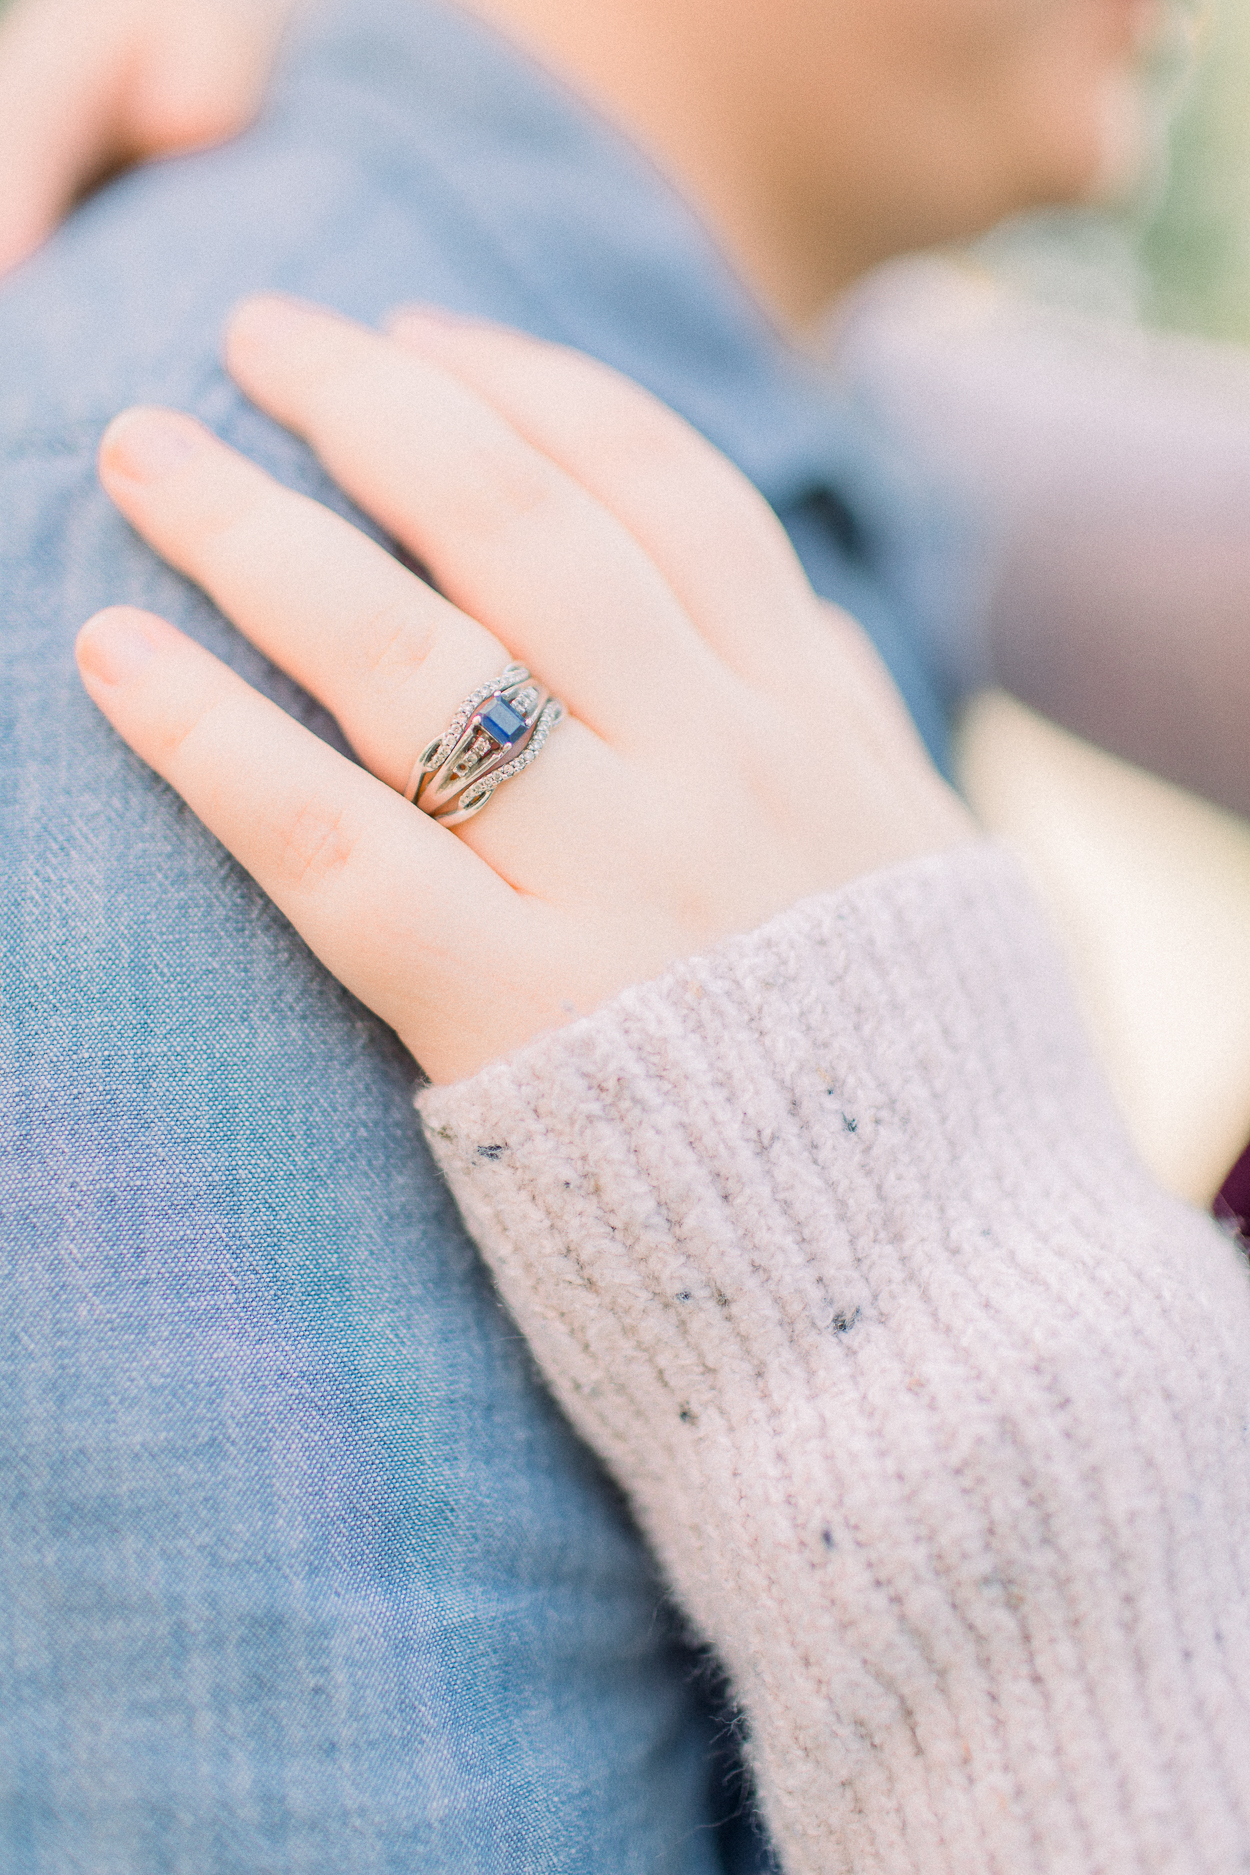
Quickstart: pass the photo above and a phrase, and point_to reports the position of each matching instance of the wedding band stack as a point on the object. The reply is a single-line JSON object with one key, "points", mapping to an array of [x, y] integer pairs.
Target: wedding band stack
{"points": [[494, 735]]}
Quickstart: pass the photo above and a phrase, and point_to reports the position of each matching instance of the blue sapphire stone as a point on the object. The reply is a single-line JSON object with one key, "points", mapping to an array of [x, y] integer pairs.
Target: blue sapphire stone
{"points": [[504, 723]]}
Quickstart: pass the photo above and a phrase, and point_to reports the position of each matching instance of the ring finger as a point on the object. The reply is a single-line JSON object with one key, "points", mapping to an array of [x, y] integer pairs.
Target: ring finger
{"points": [[385, 653]]}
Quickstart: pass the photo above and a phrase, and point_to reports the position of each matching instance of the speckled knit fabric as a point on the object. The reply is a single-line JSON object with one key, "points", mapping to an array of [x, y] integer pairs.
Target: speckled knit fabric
{"points": [[934, 1407]]}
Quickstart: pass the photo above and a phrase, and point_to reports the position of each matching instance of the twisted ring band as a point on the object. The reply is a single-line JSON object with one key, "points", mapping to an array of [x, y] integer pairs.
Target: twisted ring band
{"points": [[493, 736]]}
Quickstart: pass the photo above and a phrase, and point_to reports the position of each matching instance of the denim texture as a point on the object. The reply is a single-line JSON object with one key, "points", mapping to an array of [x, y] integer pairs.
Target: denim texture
{"points": [[301, 1572]]}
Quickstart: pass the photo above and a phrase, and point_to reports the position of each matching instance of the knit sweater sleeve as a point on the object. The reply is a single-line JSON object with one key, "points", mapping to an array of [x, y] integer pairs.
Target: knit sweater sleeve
{"points": [[934, 1408]]}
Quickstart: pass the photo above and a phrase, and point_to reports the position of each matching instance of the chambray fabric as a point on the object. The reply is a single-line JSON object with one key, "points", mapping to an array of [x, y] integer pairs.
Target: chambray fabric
{"points": [[300, 1569]]}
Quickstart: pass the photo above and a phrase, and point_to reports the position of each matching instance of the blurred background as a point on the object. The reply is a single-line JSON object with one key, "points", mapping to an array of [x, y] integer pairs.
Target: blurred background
{"points": [[1178, 256], [1149, 887], [1193, 242]]}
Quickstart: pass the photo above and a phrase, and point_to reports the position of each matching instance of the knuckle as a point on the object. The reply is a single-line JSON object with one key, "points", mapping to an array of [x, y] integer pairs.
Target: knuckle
{"points": [[181, 729], [220, 523], [315, 844], [398, 640], [501, 486]]}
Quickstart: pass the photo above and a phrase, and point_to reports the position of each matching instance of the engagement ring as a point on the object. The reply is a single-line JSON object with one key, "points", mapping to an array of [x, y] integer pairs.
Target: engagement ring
{"points": [[494, 735]]}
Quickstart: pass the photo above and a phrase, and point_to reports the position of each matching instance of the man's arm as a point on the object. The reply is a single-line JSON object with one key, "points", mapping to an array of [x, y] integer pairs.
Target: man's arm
{"points": [[1105, 575]]}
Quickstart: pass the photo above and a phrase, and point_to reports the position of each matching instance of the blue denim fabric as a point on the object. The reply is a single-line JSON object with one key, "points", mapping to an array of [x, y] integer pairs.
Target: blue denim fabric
{"points": [[300, 1570]]}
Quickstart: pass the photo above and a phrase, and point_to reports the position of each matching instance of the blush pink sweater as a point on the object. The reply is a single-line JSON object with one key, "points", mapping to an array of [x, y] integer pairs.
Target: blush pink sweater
{"points": [[932, 1404]]}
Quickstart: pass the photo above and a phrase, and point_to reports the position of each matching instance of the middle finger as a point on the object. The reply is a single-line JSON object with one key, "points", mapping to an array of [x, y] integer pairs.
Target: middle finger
{"points": [[508, 534]]}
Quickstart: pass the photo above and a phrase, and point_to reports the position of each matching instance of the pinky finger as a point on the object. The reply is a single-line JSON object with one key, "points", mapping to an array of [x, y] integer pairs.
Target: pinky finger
{"points": [[387, 900]]}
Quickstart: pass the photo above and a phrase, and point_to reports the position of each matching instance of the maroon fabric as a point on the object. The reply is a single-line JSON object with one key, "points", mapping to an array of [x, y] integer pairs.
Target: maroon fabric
{"points": [[1232, 1206]]}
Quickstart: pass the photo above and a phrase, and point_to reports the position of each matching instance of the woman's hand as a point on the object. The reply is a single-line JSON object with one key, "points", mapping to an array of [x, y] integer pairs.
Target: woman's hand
{"points": [[91, 86], [733, 744]]}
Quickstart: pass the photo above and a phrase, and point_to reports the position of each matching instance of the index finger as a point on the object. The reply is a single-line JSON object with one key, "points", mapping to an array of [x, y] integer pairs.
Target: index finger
{"points": [[400, 910], [511, 539], [718, 544]]}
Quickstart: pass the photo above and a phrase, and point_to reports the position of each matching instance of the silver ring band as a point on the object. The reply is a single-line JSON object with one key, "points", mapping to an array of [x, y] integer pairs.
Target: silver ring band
{"points": [[494, 735]]}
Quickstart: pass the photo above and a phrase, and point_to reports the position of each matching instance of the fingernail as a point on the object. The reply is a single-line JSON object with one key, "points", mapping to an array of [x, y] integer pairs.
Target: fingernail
{"points": [[147, 444], [114, 647]]}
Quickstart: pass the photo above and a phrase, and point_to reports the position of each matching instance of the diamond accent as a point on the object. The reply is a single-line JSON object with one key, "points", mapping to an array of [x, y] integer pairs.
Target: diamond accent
{"points": [[477, 794], [513, 675]]}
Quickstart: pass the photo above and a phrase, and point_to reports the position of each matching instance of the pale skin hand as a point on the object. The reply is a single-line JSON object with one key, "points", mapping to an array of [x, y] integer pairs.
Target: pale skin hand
{"points": [[733, 744], [91, 86]]}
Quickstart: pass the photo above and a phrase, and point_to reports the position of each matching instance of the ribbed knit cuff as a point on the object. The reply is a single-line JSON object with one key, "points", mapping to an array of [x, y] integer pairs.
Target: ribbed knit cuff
{"points": [[934, 1408]]}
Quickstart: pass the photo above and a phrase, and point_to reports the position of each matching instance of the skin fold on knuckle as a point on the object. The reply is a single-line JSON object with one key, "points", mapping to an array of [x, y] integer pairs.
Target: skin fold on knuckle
{"points": [[177, 728], [313, 845], [400, 641], [497, 489], [474, 475], [229, 526], [213, 524]]}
